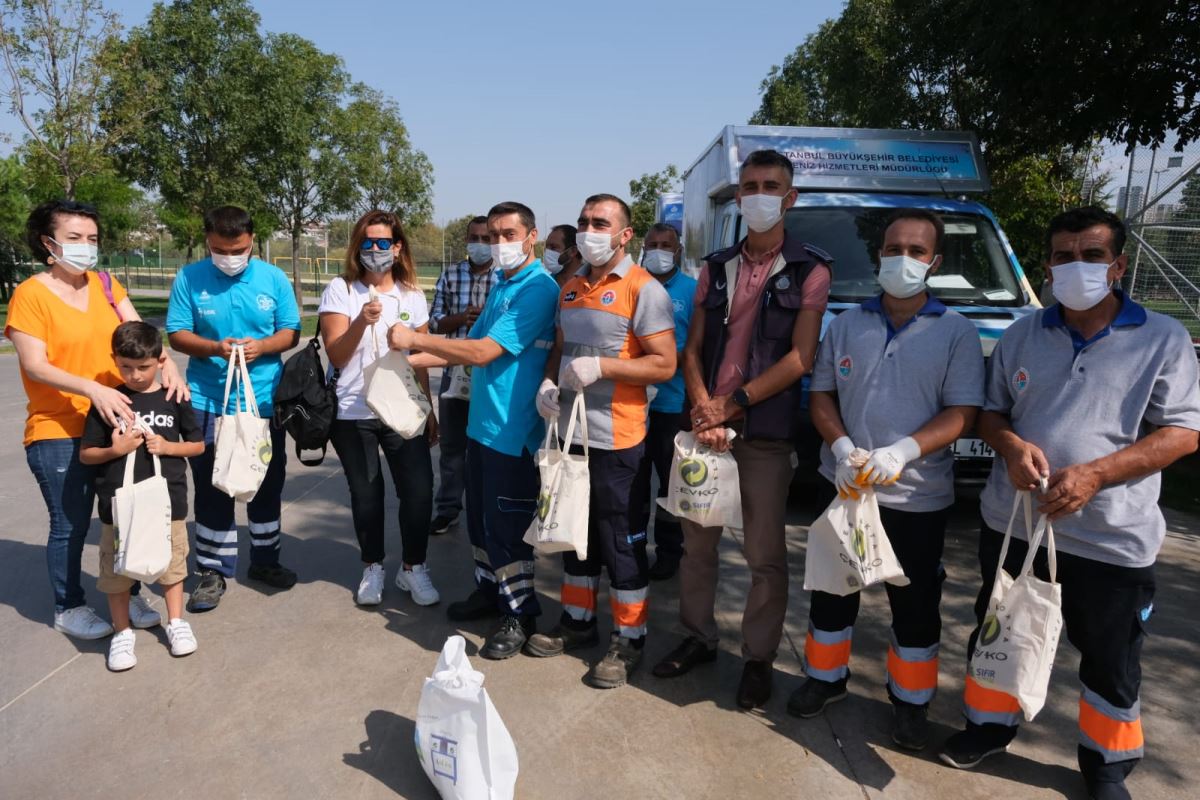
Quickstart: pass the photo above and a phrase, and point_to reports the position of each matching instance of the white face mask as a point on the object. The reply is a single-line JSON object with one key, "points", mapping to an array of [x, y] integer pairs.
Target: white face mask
{"points": [[762, 211], [596, 248], [231, 265], [77, 257], [902, 276], [1080, 285], [550, 261], [658, 262], [508, 255], [479, 253]]}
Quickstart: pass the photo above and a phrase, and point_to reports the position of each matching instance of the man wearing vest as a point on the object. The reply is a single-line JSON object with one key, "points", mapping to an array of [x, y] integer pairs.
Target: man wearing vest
{"points": [[897, 381], [753, 335], [507, 349], [616, 336], [1098, 395], [457, 300], [227, 299], [661, 259]]}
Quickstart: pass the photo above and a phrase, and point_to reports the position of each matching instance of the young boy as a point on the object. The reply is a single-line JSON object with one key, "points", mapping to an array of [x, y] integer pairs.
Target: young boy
{"points": [[138, 352]]}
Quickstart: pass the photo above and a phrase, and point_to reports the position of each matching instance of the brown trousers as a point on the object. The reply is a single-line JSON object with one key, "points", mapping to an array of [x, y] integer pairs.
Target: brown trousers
{"points": [[765, 470]]}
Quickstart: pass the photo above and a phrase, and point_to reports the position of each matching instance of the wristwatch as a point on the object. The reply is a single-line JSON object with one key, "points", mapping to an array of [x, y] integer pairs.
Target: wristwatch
{"points": [[740, 397]]}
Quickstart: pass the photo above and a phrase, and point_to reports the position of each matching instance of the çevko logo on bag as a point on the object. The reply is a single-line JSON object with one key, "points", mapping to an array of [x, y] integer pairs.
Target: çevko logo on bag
{"points": [[543, 506], [990, 631], [264, 452], [693, 471]]}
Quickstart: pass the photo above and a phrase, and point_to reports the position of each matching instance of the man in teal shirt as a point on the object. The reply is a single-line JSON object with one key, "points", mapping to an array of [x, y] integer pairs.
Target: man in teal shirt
{"points": [[232, 299], [507, 349]]}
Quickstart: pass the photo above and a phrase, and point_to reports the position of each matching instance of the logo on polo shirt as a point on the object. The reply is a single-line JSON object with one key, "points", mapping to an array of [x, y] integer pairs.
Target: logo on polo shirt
{"points": [[1020, 379], [405, 316], [678, 306], [845, 367], [569, 296], [266, 302], [608, 298], [204, 296]]}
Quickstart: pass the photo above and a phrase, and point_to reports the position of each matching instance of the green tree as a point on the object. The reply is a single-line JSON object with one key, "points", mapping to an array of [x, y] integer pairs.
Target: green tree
{"points": [[14, 209], [644, 192], [456, 238], [54, 73], [303, 180], [187, 83], [386, 170]]}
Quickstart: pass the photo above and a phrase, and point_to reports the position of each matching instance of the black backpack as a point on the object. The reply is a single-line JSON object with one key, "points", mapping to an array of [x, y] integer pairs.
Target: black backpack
{"points": [[305, 402]]}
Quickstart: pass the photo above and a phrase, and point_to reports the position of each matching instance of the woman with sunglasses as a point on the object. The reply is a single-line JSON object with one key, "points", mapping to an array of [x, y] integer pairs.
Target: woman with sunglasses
{"points": [[354, 327], [61, 322]]}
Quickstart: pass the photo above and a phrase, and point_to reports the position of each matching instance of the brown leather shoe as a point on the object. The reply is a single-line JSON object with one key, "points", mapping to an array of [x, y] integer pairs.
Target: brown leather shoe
{"points": [[755, 689], [687, 655]]}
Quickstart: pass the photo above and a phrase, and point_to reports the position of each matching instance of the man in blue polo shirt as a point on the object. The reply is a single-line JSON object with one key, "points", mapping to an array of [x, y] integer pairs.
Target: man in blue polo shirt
{"points": [[1097, 395], [224, 300], [897, 380], [507, 349], [661, 259]]}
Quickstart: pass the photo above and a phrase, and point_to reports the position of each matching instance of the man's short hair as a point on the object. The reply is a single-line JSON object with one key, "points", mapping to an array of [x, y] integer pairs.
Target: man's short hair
{"points": [[44, 217], [228, 222], [509, 207], [137, 340], [612, 198], [479, 220], [1074, 220], [662, 227], [939, 227], [770, 158], [569, 233]]}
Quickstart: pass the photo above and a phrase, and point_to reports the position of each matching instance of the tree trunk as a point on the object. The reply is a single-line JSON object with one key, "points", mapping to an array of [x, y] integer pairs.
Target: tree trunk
{"points": [[296, 282]]}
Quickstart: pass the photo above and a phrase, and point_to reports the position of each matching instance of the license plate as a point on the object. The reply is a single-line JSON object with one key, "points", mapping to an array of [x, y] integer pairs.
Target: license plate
{"points": [[973, 448]]}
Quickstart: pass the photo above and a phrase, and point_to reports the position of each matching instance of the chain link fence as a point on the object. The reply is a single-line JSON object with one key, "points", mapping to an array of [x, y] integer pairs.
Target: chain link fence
{"points": [[1159, 197]]}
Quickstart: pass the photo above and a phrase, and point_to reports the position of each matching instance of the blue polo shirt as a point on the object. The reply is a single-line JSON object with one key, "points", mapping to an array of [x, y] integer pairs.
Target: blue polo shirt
{"points": [[255, 304], [682, 291], [518, 316]]}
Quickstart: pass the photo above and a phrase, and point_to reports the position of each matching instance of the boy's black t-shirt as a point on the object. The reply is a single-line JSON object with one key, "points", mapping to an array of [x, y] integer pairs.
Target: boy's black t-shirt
{"points": [[170, 419]]}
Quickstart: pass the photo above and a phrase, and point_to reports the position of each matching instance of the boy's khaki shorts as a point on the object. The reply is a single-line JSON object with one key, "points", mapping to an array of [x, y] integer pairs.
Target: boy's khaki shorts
{"points": [[110, 582]]}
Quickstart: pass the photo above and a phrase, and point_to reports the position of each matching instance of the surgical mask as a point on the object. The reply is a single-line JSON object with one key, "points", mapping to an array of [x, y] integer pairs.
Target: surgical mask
{"points": [[508, 255], [377, 260], [658, 262], [479, 252], [762, 211], [231, 265], [77, 257], [1080, 285], [550, 261], [596, 248], [902, 276]]}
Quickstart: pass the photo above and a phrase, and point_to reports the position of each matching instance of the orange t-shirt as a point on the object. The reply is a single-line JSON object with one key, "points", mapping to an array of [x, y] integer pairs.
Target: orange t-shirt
{"points": [[78, 342]]}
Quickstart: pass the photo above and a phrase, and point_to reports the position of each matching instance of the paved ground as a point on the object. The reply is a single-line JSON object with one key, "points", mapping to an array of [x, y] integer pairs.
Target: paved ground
{"points": [[302, 694]]}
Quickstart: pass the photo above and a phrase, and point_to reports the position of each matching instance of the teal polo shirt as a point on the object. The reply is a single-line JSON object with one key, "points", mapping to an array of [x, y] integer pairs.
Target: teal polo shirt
{"points": [[682, 291], [518, 316], [255, 304]]}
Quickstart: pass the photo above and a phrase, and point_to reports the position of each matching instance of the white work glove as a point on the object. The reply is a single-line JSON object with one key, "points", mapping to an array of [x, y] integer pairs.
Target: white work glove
{"points": [[849, 460], [886, 463], [547, 399], [581, 373]]}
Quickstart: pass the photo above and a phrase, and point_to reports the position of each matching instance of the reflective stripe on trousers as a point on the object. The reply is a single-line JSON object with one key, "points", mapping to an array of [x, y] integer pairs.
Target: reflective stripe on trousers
{"points": [[578, 596], [827, 654], [912, 672], [515, 582], [983, 705], [629, 610], [1115, 733]]}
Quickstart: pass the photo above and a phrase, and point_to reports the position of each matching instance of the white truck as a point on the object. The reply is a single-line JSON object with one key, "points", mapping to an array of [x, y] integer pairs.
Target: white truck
{"points": [[850, 180]]}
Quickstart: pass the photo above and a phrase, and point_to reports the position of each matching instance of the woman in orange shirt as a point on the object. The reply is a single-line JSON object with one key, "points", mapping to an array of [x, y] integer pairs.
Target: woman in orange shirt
{"points": [[61, 322]]}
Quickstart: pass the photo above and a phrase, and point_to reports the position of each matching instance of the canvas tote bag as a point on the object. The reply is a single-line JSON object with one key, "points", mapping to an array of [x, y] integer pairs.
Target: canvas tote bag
{"points": [[242, 446], [848, 549], [142, 518], [561, 522], [704, 487], [394, 394]]}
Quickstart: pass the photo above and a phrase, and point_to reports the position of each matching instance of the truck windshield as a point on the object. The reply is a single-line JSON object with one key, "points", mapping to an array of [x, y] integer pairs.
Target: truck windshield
{"points": [[974, 270]]}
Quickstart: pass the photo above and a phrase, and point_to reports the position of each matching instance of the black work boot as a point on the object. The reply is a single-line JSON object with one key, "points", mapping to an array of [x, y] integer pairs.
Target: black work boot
{"points": [[560, 639], [617, 665], [508, 639], [208, 591], [910, 726], [812, 697]]}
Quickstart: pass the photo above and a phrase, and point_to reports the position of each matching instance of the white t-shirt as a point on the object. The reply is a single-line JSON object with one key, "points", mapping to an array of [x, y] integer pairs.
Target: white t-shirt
{"points": [[401, 305]]}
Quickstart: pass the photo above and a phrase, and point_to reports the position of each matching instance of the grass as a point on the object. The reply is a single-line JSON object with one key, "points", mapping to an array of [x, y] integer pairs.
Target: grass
{"points": [[1179, 311]]}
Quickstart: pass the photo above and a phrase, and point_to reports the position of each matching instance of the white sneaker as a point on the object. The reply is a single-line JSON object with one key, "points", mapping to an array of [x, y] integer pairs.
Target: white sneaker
{"points": [[370, 588], [179, 634], [142, 614], [82, 623], [120, 651], [418, 582]]}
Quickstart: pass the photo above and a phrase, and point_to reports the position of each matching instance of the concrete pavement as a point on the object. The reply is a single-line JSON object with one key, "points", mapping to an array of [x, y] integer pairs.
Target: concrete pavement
{"points": [[303, 694]]}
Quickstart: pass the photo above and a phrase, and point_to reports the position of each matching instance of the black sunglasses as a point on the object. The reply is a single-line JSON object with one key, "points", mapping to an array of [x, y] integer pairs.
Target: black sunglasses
{"points": [[379, 244]]}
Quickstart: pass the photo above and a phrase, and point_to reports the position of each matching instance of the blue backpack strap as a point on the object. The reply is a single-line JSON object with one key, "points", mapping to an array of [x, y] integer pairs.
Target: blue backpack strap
{"points": [[107, 284]]}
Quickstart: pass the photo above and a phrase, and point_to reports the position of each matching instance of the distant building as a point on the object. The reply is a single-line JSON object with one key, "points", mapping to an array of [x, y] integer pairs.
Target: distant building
{"points": [[1135, 196]]}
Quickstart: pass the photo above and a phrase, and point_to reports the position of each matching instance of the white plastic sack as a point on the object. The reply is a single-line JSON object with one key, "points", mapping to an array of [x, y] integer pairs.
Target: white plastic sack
{"points": [[704, 487], [242, 446], [459, 386], [849, 550], [142, 518], [461, 741], [565, 497], [1014, 652], [394, 394]]}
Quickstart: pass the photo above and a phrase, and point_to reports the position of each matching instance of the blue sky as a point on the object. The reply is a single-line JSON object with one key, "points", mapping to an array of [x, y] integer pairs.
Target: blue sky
{"points": [[548, 102]]}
